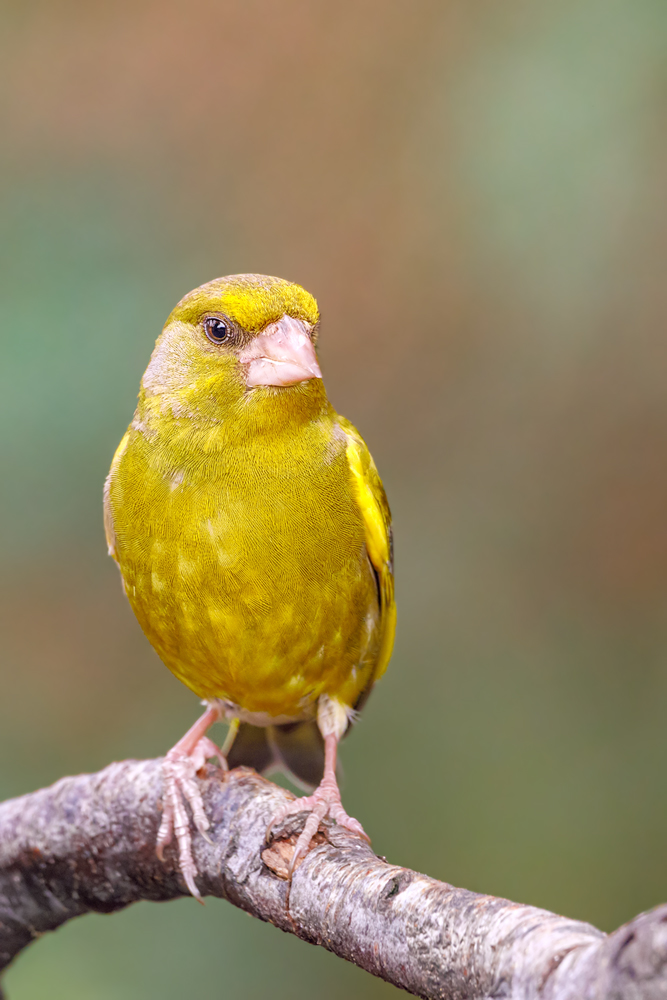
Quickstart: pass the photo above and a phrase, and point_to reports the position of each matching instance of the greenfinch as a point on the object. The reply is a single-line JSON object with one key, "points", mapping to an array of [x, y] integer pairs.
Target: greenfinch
{"points": [[254, 542]]}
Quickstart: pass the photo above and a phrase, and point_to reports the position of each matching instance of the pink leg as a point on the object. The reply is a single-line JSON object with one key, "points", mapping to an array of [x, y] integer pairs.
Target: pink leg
{"points": [[325, 801], [179, 772]]}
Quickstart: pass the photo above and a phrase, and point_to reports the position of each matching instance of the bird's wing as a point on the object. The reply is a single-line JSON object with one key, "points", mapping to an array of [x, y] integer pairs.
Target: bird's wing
{"points": [[372, 501], [108, 515]]}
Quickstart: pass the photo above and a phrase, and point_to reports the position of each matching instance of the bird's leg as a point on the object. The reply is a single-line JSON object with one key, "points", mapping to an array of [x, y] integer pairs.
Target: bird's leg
{"points": [[179, 773], [325, 800]]}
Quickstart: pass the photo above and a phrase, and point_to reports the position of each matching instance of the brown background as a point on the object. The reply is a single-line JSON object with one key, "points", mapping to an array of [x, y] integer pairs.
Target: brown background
{"points": [[474, 192]]}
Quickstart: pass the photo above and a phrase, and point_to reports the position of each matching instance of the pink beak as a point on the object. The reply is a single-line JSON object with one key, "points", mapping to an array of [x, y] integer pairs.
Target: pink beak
{"points": [[282, 355]]}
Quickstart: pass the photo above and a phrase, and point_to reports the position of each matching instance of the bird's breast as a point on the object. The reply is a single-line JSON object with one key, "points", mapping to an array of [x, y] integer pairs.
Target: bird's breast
{"points": [[248, 574]]}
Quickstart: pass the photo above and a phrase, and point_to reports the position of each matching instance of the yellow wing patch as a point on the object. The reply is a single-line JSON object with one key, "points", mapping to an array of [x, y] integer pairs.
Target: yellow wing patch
{"points": [[108, 518], [377, 520]]}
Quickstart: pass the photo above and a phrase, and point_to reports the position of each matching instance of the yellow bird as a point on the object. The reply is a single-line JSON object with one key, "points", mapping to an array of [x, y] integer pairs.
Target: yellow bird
{"points": [[253, 537]]}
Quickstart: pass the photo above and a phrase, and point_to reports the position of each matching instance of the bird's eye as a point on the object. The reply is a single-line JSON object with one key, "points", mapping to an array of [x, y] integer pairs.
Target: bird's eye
{"points": [[216, 329]]}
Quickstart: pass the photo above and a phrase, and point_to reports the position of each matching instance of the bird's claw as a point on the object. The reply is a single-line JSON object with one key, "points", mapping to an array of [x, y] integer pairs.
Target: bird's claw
{"points": [[179, 773], [324, 802]]}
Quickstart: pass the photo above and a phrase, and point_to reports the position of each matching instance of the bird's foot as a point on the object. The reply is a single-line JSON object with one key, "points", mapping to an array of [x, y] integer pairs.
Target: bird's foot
{"points": [[324, 802], [179, 773]]}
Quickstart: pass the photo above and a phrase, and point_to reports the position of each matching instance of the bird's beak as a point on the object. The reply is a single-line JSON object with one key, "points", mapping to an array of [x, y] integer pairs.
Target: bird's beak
{"points": [[283, 354]]}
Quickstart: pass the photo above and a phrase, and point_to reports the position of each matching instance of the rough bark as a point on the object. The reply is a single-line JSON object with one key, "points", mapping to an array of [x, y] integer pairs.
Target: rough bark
{"points": [[87, 844]]}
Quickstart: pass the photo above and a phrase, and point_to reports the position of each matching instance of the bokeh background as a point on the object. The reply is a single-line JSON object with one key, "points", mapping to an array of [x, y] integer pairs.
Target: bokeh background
{"points": [[475, 193]]}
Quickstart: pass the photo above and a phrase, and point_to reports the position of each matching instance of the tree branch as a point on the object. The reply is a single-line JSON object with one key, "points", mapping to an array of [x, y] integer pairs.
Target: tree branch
{"points": [[87, 844]]}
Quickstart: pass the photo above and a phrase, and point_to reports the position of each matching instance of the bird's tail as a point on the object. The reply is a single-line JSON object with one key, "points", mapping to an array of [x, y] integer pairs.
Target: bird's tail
{"points": [[296, 749]]}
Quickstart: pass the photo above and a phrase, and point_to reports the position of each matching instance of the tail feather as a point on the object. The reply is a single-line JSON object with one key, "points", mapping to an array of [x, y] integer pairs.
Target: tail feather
{"points": [[300, 751], [251, 748], [297, 749]]}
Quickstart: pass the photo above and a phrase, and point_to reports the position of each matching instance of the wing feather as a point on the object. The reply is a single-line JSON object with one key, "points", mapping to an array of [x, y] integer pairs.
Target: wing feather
{"points": [[373, 504]]}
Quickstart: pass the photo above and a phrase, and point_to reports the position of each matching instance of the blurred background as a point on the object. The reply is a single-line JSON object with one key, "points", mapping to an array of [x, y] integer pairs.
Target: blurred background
{"points": [[475, 194]]}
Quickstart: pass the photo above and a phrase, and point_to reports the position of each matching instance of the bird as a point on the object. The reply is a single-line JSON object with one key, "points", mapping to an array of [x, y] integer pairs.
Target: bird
{"points": [[254, 541]]}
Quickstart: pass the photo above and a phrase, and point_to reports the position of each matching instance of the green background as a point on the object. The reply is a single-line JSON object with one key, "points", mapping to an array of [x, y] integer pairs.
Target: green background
{"points": [[474, 192]]}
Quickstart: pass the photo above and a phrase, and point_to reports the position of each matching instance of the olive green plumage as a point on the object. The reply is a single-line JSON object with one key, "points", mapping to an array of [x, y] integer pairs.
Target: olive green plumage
{"points": [[249, 524]]}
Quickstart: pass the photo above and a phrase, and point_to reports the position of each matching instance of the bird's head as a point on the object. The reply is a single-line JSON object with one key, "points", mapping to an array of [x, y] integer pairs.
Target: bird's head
{"points": [[234, 341]]}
